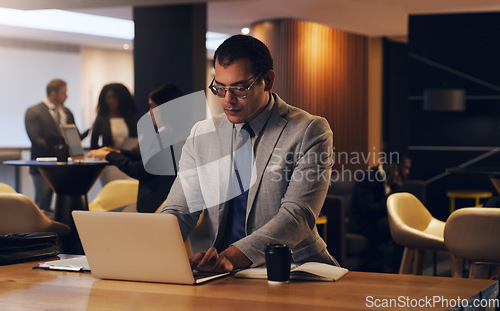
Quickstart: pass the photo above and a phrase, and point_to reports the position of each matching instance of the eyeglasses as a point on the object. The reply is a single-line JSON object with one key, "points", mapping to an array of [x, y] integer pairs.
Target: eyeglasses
{"points": [[237, 91]]}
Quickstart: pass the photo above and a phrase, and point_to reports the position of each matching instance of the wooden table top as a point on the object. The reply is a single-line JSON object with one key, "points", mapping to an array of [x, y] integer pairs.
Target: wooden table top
{"points": [[22, 288]]}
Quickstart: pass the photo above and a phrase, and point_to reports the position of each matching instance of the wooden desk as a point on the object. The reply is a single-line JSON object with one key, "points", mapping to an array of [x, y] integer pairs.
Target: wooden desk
{"points": [[22, 288]]}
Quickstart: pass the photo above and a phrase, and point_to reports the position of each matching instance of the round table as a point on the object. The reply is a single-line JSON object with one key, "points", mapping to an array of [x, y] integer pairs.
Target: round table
{"points": [[493, 172], [71, 181]]}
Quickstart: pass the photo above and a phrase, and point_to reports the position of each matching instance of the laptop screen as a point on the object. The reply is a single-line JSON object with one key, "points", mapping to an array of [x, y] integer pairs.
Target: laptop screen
{"points": [[72, 138]]}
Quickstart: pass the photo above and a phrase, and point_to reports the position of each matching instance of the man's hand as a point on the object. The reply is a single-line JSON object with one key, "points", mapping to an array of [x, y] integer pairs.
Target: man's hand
{"points": [[210, 261], [101, 153]]}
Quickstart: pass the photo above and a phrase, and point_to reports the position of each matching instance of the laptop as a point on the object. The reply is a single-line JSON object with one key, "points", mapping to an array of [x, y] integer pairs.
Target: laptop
{"points": [[75, 148], [136, 247]]}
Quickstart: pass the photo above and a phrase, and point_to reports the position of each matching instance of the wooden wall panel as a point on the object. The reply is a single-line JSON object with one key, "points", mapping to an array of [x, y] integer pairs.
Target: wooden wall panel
{"points": [[323, 71]]}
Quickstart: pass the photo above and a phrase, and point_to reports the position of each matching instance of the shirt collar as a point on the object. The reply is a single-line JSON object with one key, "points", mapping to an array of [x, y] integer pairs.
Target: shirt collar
{"points": [[47, 103], [258, 123]]}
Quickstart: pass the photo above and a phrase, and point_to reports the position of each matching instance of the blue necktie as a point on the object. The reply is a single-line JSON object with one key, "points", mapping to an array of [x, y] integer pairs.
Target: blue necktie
{"points": [[243, 170]]}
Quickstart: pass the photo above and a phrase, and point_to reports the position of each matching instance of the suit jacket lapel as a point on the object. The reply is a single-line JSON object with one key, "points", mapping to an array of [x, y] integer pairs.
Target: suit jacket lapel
{"points": [[49, 121], [69, 116], [224, 128], [271, 135]]}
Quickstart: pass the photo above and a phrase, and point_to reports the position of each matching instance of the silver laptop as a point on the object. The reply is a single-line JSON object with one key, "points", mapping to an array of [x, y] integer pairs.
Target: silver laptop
{"points": [[75, 148], [136, 247]]}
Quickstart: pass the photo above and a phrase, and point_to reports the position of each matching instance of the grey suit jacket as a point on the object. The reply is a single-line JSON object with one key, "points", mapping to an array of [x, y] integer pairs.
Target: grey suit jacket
{"points": [[293, 168], [43, 131]]}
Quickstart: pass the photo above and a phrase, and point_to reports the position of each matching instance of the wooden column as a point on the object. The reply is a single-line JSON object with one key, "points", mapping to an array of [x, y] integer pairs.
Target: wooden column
{"points": [[325, 72]]}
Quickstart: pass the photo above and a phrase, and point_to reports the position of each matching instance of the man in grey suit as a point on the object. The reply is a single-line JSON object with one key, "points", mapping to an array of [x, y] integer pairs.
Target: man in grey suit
{"points": [[292, 152], [42, 125]]}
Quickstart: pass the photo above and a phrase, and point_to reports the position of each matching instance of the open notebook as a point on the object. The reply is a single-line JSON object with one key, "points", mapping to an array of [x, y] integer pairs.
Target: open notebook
{"points": [[312, 271], [136, 247]]}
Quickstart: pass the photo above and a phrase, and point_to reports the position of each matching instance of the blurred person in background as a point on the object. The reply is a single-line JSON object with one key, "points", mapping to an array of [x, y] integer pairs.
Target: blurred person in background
{"points": [[153, 189], [42, 125], [368, 214], [115, 125]]}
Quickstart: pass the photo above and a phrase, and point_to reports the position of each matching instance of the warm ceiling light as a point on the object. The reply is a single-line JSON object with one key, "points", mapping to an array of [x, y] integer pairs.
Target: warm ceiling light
{"points": [[126, 46], [245, 30]]}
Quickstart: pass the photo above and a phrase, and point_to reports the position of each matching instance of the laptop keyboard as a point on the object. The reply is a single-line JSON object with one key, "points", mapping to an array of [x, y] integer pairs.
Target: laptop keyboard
{"points": [[200, 275]]}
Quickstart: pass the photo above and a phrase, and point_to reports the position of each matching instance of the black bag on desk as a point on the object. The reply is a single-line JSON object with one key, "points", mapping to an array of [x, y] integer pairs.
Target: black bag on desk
{"points": [[21, 247]]}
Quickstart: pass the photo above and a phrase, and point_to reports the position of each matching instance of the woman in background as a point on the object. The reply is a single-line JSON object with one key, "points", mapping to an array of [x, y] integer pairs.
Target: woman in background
{"points": [[115, 125], [115, 121], [153, 189]]}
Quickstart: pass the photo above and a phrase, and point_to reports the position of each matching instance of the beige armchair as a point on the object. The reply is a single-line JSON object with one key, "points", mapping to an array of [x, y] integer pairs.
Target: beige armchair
{"points": [[472, 234], [5, 188], [19, 214], [116, 193], [413, 227]]}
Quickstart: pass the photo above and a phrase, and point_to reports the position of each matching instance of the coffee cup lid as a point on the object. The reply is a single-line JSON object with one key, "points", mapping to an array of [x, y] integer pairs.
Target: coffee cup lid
{"points": [[271, 248]]}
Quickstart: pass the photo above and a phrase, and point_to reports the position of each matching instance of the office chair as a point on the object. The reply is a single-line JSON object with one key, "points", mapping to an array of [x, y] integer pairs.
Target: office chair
{"points": [[115, 194], [413, 227], [472, 233], [5, 188]]}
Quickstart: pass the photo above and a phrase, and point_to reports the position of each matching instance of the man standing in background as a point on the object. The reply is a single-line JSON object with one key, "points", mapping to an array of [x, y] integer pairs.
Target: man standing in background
{"points": [[42, 125]]}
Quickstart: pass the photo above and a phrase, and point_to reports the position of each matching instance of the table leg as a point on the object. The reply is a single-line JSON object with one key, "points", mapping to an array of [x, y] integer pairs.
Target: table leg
{"points": [[71, 184], [71, 243]]}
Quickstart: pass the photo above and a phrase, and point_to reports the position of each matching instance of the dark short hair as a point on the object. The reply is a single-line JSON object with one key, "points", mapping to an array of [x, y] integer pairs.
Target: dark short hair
{"points": [[165, 93], [55, 85], [391, 169], [244, 47], [126, 103]]}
